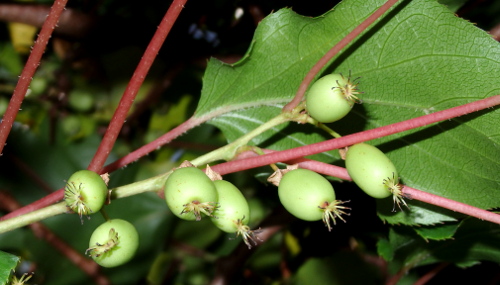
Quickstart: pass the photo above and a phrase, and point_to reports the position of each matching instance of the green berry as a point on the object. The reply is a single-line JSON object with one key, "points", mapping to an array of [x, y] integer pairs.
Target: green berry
{"points": [[233, 213], [189, 193], [81, 100], [373, 172], [113, 243], [331, 97], [85, 192], [309, 196]]}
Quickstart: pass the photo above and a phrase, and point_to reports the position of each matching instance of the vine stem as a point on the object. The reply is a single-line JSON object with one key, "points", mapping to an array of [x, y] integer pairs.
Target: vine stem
{"points": [[286, 155], [415, 194], [334, 51], [154, 145], [451, 205], [134, 84], [41, 231], [336, 143], [32, 217], [228, 151], [120, 114], [29, 70]]}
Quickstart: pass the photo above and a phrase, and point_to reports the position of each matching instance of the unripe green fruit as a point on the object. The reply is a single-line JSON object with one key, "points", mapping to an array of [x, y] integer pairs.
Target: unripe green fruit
{"points": [[38, 85], [310, 197], [71, 125], [232, 206], [330, 98], [81, 100], [113, 243], [233, 213], [370, 169], [302, 192], [189, 193], [85, 192]]}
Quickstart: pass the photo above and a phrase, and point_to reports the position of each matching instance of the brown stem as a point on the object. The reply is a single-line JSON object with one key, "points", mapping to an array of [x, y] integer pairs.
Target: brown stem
{"points": [[334, 51], [29, 70], [429, 275], [71, 22], [134, 84]]}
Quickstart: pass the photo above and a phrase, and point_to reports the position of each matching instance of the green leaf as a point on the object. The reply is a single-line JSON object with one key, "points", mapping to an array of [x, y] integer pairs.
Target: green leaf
{"points": [[418, 59], [419, 213], [337, 270], [385, 249], [473, 241], [8, 262], [437, 232]]}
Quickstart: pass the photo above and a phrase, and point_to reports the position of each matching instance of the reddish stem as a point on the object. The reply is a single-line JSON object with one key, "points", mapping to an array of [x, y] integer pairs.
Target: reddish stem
{"points": [[285, 155], [451, 205], [415, 194], [303, 151], [71, 22], [316, 166], [134, 84], [154, 145], [29, 70], [121, 111], [334, 51], [429, 275]]}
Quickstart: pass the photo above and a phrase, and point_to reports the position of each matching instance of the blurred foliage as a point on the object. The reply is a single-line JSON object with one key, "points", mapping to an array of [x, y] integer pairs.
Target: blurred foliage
{"points": [[68, 107]]}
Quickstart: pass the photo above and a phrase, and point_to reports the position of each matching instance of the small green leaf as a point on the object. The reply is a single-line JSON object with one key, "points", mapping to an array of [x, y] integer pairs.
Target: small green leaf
{"points": [[337, 270], [474, 241], [437, 232], [385, 249], [8, 263], [419, 213]]}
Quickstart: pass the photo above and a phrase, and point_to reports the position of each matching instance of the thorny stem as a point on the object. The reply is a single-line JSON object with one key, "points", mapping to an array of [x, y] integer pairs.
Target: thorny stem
{"points": [[442, 202], [119, 116], [72, 22], [336, 143], [334, 51], [154, 145], [155, 183], [134, 84], [29, 70], [229, 151]]}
